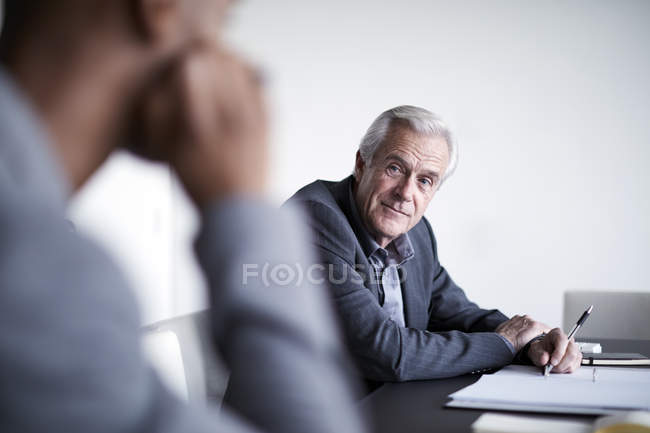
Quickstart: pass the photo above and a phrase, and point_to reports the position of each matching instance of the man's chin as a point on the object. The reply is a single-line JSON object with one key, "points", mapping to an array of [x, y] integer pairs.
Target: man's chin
{"points": [[391, 231]]}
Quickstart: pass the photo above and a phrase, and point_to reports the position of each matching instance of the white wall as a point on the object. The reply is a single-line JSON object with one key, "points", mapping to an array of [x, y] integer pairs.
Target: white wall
{"points": [[549, 101], [127, 206]]}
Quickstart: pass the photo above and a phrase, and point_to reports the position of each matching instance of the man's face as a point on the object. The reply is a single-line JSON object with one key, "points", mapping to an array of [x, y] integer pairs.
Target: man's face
{"points": [[394, 189]]}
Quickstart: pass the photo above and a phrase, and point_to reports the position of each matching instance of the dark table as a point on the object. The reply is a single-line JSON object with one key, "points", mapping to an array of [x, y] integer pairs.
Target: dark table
{"points": [[413, 407]]}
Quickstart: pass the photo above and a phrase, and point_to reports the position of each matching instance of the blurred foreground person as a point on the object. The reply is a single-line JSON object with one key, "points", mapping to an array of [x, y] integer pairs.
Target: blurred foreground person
{"points": [[78, 78]]}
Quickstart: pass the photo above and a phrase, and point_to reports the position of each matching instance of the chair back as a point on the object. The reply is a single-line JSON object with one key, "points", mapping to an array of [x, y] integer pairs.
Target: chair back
{"points": [[182, 352], [618, 315]]}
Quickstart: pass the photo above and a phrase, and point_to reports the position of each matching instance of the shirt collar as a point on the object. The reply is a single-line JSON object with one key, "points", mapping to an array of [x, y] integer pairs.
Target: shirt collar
{"points": [[403, 248]]}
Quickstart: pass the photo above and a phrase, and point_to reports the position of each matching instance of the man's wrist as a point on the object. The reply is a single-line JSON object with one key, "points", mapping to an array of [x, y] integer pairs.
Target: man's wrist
{"points": [[508, 343], [522, 356]]}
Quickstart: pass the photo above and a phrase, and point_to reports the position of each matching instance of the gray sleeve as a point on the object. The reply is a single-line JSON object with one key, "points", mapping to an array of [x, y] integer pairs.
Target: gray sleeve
{"points": [[69, 335], [386, 351], [70, 339], [452, 310], [272, 323]]}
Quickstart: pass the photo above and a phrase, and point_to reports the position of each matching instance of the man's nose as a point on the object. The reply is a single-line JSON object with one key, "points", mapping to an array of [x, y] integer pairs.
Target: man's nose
{"points": [[406, 189]]}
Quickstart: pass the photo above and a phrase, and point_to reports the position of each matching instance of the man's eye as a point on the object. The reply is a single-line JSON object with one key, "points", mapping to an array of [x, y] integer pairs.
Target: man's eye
{"points": [[428, 183], [393, 169]]}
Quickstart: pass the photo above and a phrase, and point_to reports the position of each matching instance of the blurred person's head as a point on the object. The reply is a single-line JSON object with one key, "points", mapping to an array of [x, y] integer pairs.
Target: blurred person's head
{"points": [[87, 64], [402, 160]]}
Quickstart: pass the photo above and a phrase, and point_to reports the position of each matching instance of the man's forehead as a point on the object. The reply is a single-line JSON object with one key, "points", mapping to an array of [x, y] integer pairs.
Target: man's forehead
{"points": [[414, 147]]}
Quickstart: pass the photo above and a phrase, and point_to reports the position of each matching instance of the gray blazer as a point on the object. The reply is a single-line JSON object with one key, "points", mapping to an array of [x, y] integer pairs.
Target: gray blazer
{"points": [[445, 333], [70, 355]]}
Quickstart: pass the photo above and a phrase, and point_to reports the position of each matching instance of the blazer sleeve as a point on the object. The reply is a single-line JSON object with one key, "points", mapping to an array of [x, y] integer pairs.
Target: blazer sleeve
{"points": [[70, 333], [384, 351], [273, 323]]}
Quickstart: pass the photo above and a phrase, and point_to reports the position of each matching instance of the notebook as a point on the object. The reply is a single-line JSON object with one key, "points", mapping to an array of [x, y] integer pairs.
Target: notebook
{"points": [[615, 359]]}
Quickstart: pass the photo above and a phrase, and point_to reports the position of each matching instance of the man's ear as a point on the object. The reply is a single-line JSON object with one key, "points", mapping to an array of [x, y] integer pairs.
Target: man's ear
{"points": [[160, 22], [359, 166]]}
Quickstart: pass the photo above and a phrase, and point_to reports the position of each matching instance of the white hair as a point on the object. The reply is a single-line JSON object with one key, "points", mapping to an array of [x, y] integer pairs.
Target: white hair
{"points": [[417, 119]]}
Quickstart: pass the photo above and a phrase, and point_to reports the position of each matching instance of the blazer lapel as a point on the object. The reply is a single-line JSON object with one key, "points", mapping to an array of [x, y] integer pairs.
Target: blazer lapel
{"points": [[341, 193]]}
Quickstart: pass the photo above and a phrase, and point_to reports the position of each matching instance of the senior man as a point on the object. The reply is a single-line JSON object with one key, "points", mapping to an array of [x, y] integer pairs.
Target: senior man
{"points": [[403, 316]]}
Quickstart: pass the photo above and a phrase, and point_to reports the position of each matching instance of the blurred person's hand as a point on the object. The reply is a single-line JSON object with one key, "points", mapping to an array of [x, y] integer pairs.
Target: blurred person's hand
{"points": [[564, 354], [519, 330], [206, 117]]}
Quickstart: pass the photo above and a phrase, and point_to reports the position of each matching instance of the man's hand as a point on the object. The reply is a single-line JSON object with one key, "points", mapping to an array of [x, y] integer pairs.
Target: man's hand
{"points": [[564, 354], [205, 116], [520, 330]]}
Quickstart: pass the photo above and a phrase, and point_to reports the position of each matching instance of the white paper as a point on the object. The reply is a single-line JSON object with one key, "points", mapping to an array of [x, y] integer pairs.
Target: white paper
{"points": [[515, 386], [499, 423]]}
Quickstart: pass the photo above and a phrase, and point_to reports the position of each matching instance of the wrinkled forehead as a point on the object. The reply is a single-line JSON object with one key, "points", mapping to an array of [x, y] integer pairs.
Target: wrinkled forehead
{"points": [[403, 140]]}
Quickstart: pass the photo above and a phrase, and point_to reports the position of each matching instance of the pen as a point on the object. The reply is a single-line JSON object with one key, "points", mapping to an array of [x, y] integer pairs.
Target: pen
{"points": [[548, 367]]}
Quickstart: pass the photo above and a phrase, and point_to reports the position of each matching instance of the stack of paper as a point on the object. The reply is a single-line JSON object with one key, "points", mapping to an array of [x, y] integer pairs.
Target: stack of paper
{"points": [[524, 388]]}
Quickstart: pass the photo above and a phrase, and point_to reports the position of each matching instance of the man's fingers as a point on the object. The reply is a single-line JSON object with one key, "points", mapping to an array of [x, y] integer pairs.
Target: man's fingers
{"points": [[559, 342], [192, 88], [556, 349], [217, 91], [538, 354], [571, 360]]}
